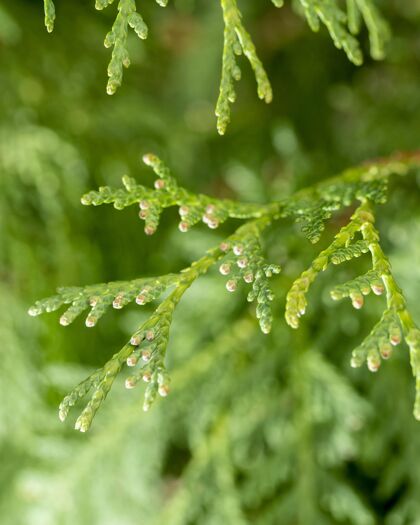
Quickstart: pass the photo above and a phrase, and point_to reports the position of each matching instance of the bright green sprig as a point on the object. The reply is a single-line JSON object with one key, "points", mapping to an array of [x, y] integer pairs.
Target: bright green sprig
{"points": [[244, 261], [99, 297], [240, 257], [396, 320], [237, 41], [356, 288], [146, 347], [349, 252], [296, 301], [49, 10], [193, 208], [379, 343], [396, 303], [117, 38]]}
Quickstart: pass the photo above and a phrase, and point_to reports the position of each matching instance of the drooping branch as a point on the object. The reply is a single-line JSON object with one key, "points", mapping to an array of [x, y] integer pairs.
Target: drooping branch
{"points": [[342, 25]]}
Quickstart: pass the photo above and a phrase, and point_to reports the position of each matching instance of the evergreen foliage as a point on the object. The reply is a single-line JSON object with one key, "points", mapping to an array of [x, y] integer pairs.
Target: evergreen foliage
{"points": [[242, 259], [259, 429], [342, 25]]}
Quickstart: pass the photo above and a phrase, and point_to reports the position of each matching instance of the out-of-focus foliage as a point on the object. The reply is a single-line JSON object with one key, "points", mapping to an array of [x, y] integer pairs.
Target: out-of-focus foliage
{"points": [[258, 429], [342, 25]]}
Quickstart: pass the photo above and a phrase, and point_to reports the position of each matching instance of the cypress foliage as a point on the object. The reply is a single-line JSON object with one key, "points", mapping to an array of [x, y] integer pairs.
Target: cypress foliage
{"points": [[242, 260], [263, 424]]}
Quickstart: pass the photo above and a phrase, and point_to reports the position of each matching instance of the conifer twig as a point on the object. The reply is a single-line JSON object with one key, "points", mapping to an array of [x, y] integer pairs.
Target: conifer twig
{"points": [[241, 259]]}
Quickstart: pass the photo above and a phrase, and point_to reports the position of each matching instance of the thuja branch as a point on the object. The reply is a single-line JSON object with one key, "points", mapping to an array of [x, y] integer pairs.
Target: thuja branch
{"points": [[148, 344], [342, 25], [241, 259]]}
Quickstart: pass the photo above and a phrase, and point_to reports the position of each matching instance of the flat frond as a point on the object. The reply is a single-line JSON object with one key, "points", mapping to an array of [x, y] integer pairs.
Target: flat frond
{"points": [[240, 258]]}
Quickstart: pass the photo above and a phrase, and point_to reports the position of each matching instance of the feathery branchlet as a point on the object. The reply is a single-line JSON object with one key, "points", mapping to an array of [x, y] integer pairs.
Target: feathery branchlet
{"points": [[240, 259]]}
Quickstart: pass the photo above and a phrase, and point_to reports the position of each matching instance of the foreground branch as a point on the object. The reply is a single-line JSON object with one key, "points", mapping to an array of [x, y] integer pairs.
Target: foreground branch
{"points": [[241, 259]]}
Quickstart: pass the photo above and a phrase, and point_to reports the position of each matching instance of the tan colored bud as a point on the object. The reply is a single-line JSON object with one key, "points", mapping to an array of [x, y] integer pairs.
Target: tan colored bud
{"points": [[159, 184], [238, 249], [231, 285], [225, 268], [163, 390], [183, 227], [149, 230]]}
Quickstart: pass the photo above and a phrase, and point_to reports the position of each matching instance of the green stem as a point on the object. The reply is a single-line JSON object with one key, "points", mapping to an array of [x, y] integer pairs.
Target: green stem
{"points": [[380, 262]]}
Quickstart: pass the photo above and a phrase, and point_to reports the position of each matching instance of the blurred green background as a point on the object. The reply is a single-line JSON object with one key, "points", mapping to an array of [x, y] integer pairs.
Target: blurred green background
{"points": [[258, 429]]}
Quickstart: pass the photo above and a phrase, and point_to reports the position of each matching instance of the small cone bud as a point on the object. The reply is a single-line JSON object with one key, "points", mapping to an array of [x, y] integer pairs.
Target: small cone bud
{"points": [[357, 300], [378, 288], [64, 320], [224, 246], [395, 337], [148, 159], [33, 311], [231, 285], [144, 205], [90, 321], [132, 360], [159, 184], [130, 382], [117, 302], [242, 262], [143, 214], [238, 249], [373, 363], [213, 224], [145, 355], [149, 230], [93, 301], [224, 269], [150, 335], [248, 277], [183, 211], [386, 351], [183, 227], [163, 390], [141, 299], [135, 340], [147, 377]]}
